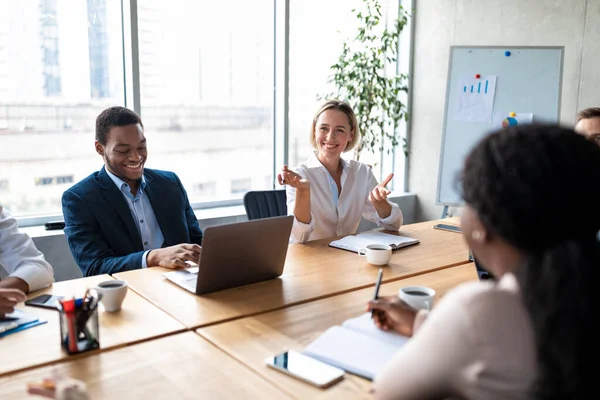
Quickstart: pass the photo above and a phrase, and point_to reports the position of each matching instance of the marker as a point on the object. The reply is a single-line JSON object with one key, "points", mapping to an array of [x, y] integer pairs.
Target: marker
{"points": [[376, 295], [68, 308]]}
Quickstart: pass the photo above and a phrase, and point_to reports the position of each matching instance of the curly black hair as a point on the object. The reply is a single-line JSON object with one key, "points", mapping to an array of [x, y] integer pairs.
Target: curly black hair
{"points": [[538, 188], [114, 116]]}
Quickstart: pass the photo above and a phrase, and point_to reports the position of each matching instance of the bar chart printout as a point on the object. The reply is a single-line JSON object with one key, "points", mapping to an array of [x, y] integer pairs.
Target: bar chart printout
{"points": [[475, 99]]}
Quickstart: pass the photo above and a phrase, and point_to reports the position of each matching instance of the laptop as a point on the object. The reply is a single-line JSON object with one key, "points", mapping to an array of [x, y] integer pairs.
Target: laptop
{"points": [[237, 254], [481, 271]]}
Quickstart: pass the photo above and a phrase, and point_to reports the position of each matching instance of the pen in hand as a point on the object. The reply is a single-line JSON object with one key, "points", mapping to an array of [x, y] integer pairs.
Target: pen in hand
{"points": [[376, 295]]}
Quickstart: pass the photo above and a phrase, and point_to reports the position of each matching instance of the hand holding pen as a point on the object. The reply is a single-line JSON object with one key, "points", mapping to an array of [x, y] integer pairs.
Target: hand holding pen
{"points": [[390, 313], [377, 286]]}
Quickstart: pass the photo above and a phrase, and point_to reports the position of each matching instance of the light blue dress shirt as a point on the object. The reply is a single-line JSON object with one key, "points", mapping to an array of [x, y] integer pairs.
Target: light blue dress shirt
{"points": [[334, 189], [143, 215]]}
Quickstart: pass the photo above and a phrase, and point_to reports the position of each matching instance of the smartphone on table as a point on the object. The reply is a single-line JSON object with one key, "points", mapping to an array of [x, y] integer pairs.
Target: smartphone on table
{"points": [[447, 227], [45, 301], [306, 368]]}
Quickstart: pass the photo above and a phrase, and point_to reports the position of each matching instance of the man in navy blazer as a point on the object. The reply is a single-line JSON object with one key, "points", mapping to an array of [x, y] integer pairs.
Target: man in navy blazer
{"points": [[125, 217]]}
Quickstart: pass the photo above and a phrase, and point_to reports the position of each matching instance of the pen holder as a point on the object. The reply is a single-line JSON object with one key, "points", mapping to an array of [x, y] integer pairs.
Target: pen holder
{"points": [[79, 330]]}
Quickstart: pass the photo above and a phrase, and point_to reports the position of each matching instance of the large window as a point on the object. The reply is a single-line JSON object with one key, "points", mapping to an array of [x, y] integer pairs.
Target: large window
{"points": [[206, 77], [317, 31], [61, 63]]}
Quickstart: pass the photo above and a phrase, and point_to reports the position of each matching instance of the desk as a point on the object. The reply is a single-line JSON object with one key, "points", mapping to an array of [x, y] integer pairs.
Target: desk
{"points": [[312, 271], [182, 366], [138, 320], [251, 340]]}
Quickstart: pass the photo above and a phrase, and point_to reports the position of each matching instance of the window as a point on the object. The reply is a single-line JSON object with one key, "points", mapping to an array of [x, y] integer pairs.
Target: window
{"points": [[208, 91], [309, 65], [240, 186], [61, 63], [309, 68], [205, 190], [206, 72]]}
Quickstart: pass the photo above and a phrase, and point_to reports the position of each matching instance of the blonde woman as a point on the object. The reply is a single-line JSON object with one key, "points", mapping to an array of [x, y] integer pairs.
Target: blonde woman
{"points": [[328, 195]]}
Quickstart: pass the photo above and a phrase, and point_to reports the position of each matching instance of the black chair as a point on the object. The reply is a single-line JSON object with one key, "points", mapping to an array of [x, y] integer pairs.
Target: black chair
{"points": [[265, 204]]}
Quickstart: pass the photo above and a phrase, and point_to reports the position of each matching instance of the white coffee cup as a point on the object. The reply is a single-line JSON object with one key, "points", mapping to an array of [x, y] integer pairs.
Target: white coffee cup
{"points": [[113, 293], [417, 297], [377, 254]]}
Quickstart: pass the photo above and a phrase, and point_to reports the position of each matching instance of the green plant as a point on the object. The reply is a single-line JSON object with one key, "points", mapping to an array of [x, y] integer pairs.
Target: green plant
{"points": [[359, 77]]}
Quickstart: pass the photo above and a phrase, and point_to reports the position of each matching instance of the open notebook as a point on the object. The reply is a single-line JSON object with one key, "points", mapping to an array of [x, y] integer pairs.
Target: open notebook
{"points": [[361, 240], [357, 346]]}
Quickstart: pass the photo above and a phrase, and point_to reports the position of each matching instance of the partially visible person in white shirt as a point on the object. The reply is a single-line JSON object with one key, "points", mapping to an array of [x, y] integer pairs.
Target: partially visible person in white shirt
{"points": [[22, 265], [328, 195]]}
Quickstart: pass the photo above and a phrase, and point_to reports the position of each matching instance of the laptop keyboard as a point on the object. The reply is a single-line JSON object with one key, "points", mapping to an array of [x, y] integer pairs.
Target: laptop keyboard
{"points": [[190, 283]]}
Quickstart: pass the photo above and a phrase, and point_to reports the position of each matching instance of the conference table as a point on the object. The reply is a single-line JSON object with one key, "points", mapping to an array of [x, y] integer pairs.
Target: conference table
{"points": [[168, 343], [251, 340], [181, 366], [138, 320], [312, 271]]}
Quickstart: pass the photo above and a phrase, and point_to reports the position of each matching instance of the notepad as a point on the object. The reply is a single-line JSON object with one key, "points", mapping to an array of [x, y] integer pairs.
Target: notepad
{"points": [[357, 346], [361, 240], [17, 321]]}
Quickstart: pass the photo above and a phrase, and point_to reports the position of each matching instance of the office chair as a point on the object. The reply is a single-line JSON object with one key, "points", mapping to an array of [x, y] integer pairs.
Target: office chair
{"points": [[265, 203]]}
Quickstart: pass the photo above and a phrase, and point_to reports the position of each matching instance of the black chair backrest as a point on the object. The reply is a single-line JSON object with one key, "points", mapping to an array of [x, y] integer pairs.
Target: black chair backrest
{"points": [[265, 204]]}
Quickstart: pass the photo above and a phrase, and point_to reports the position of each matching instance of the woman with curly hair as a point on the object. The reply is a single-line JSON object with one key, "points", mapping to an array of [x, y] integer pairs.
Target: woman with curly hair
{"points": [[531, 216]]}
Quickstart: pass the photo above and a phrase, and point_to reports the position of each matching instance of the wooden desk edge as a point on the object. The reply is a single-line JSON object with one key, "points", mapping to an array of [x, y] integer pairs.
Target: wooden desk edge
{"points": [[89, 353], [325, 296]]}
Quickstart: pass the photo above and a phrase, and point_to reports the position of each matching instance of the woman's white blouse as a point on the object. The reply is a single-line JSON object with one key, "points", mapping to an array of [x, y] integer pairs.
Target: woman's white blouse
{"points": [[330, 218]]}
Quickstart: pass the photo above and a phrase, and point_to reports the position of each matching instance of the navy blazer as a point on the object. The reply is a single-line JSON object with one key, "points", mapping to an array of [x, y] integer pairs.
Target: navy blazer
{"points": [[100, 229]]}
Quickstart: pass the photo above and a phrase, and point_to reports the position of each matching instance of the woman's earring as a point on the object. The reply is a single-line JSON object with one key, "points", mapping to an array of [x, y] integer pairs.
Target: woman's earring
{"points": [[476, 235]]}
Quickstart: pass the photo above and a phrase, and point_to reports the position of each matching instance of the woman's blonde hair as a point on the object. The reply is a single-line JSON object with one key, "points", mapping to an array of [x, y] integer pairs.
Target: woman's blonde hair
{"points": [[346, 109]]}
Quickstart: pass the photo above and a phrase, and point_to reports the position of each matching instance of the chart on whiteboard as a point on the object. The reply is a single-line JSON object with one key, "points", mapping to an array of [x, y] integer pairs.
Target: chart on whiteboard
{"points": [[475, 102]]}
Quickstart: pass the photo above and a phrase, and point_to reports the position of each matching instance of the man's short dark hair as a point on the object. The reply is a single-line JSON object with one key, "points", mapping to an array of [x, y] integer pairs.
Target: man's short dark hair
{"points": [[114, 116], [587, 113]]}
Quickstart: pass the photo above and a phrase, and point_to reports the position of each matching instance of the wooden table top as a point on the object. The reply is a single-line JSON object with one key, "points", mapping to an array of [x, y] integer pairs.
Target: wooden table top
{"points": [[137, 320], [251, 340], [182, 366], [312, 270]]}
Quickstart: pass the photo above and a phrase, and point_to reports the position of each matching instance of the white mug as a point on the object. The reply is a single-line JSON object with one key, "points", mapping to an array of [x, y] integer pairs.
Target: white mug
{"points": [[113, 293], [377, 254], [417, 297]]}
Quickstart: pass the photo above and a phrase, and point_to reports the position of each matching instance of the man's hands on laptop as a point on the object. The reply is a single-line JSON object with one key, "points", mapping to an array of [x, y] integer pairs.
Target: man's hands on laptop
{"points": [[178, 256]]}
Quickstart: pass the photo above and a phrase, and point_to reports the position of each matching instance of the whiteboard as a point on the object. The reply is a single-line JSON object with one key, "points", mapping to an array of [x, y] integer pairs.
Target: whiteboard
{"points": [[527, 81]]}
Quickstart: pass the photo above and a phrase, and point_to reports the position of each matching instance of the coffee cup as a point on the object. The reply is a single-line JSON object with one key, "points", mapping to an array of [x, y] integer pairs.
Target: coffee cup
{"points": [[417, 297], [113, 293], [377, 254]]}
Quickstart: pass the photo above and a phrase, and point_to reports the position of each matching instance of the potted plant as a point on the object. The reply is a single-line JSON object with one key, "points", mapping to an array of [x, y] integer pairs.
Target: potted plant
{"points": [[362, 77]]}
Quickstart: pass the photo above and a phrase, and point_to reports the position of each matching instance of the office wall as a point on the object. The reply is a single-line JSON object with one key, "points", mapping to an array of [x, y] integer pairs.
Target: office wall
{"points": [[56, 250], [440, 24]]}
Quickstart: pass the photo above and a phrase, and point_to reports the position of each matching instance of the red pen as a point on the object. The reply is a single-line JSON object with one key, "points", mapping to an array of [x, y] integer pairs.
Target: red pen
{"points": [[68, 306]]}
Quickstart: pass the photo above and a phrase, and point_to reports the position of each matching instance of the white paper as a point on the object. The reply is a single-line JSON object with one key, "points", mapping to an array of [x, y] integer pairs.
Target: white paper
{"points": [[365, 324], [351, 351], [475, 102]]}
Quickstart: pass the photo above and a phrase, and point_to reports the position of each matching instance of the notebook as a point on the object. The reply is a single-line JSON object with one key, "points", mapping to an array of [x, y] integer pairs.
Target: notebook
{"points": [[17, 321], [361, 240], [357, 346]]}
